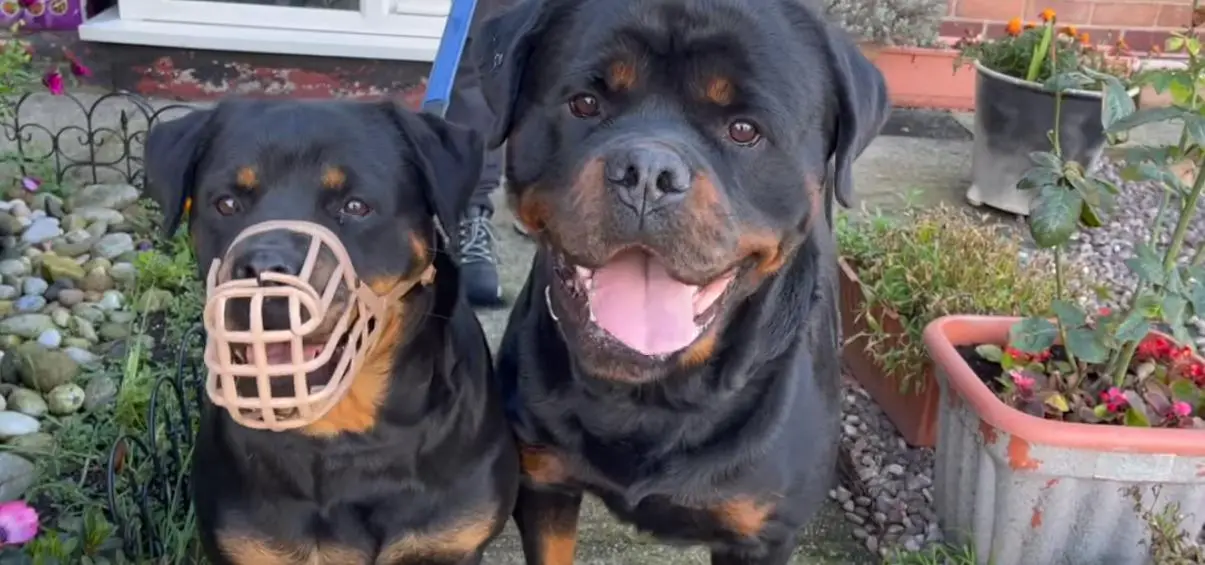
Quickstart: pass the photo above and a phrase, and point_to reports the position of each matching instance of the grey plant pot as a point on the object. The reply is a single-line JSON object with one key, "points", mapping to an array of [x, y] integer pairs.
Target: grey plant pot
{"points": [[1012, 118]]}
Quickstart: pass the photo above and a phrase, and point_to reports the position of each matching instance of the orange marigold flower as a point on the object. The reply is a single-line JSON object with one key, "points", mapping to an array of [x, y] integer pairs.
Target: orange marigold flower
{"points": [[1029, 26], [1070, 31], [1047, 15], [1014, 27], [1085, 39]]}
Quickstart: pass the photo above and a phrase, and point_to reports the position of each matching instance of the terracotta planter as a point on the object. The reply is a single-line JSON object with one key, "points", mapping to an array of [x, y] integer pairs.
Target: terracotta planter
{"points": [[1023, 490], [913, 413], [920, 77]]}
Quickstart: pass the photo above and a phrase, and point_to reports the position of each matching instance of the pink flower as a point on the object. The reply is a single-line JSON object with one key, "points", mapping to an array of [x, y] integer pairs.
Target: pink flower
{"points": [[18, 523], [78, 68], [1181, 409], [31, 184], [1104, 312], [1024, 383], [1114, 399], [53, 82]]}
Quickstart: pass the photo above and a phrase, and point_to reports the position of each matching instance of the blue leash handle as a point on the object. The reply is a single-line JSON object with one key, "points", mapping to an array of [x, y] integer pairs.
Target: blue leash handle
{"points": [[447, 58]]}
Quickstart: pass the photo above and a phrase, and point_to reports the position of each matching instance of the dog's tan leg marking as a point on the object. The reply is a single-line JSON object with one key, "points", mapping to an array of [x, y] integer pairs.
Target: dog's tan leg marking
{"points": [[461, 539]]}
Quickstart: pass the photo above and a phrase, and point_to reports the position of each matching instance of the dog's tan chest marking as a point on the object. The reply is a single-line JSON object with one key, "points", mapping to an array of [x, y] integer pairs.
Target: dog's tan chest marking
{"points": [[464, 537], [743, 515], [542, 466], [244, 550]]}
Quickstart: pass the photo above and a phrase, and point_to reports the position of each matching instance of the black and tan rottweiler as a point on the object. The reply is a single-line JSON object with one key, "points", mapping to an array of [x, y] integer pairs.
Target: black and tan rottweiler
{"points": [[415, 465], [674, 350]]}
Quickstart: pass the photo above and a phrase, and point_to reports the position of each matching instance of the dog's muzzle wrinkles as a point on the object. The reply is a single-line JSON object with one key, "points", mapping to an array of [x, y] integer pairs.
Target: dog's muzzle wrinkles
{"points": [[232, 355]]}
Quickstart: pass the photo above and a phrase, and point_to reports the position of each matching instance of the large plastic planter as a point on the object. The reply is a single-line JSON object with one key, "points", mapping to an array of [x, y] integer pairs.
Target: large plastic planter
{"points": [[1026, 491]]}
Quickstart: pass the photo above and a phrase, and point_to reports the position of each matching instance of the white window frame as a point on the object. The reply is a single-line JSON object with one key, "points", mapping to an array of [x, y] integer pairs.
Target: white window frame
{"points": [[412, 18]]}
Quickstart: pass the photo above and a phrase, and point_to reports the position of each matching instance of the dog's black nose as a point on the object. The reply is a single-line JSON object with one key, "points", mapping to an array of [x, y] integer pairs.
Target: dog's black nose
{"points": [[255, 262], [647, 172]]}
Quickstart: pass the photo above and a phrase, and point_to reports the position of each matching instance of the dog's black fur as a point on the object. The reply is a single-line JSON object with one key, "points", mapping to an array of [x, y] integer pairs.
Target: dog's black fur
{"points": [[430, 475], [732, 441]]}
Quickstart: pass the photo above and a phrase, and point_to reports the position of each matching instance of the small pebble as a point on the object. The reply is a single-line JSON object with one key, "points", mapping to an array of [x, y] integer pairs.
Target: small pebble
{"points": [[50, 339]]}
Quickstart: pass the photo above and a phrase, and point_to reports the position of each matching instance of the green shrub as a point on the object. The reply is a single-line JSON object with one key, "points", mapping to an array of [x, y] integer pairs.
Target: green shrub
{"points": [[926, 263]]}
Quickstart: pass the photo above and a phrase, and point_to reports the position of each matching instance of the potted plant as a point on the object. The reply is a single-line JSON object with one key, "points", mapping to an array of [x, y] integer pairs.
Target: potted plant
{"points": [[1045, 424], [1014, 103], [900, 272], [901, 37]]}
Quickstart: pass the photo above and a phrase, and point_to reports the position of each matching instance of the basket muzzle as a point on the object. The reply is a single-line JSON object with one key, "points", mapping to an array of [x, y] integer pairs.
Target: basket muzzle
{"points": [[278, 362]]}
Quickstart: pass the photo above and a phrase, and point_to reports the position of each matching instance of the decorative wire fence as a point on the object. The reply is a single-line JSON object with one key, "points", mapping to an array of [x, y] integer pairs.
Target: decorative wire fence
{"points": [[99, 139]]}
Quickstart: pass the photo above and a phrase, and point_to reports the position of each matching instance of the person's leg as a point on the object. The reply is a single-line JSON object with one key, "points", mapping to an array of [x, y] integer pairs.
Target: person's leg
{"points": [[478, 258]]}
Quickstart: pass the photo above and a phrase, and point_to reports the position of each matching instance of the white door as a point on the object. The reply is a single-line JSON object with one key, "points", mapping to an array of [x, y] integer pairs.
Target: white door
{"points": [[410, 18]]}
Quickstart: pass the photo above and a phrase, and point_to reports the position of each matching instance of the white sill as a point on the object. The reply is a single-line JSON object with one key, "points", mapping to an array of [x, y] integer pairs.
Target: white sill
{"points": [[108, 27]]}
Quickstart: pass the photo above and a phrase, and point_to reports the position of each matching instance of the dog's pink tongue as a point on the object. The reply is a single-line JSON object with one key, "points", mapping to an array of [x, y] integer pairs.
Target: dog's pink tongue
{"points": [[637, 302]]}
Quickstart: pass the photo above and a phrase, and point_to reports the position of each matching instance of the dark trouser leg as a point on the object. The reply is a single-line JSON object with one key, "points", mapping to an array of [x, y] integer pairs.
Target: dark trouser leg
{"points": [[478, 259]]}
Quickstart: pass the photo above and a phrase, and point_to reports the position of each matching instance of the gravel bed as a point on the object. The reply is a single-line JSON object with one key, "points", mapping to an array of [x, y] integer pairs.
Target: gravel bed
{"points": [[896, 510]]}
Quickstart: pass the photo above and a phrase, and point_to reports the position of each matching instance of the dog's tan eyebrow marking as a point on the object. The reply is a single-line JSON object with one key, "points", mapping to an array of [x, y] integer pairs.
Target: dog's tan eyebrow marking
{"points": [[333, 178], [719, 91], [621, 75], [246, 178]]}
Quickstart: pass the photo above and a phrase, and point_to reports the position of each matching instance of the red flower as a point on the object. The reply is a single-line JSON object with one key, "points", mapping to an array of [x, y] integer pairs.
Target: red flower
{"points": [[1181, 409], [1182, 353], [1114, 399], [1104, 312], [1196, 373], [53, 82], [1024, 382], [1155, 347]]}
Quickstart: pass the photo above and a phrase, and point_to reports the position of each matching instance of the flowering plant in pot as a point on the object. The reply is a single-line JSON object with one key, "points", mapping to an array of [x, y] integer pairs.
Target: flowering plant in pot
{"points": [[1076, 408], [902, 38], [1014, 103], [901, 271]]}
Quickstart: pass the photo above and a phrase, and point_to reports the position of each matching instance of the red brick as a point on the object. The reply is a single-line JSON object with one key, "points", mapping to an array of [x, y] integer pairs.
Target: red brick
{"points": [[1142, 40], [1067, 12], [952, 28], [989, 9], [1126, 14], [1173, 15]]}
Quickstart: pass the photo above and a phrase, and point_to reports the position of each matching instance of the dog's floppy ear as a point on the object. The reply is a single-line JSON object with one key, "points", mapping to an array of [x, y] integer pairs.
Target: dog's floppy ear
{"points": [[449, 157], [170, 157], [863, 108], [502, 52]]}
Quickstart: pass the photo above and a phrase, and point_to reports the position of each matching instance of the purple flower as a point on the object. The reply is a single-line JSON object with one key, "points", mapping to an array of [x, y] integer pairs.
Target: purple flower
{"points": [[18, 523], [31, 184]]}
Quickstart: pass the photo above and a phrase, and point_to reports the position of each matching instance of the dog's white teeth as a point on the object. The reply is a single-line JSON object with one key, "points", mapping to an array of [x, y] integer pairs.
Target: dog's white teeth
{"points": [[583, 273], [592, 318]]}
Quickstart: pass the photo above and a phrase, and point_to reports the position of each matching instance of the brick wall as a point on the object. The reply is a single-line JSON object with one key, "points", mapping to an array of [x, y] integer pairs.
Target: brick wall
{"points": [[1142, 23]]}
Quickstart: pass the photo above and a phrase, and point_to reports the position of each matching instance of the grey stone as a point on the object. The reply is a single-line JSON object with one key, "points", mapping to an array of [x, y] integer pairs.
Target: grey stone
{"points": [[43, 369], [29, 304], [113, 245], [50, 339], [28, 402], [100, 393], [111, 300], [98, 229], [113, 332], [9, 224], [70, 297], [28, 326], [42, 229], [84, 329], [123, 317], [15, 424], [14, 268], [97, 280], [90, 312], [35, 286], [36, 443], [65, 399], [7, 292], [114, 196], [83, 357], [94, 214], [16, 476], [57, 268], [124, 273]]}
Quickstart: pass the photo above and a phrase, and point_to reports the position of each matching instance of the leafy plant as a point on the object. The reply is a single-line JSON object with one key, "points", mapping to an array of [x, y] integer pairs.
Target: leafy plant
{"points": [[1039, 52], [890, 22], [1109, 354], [915, 265], [1169, 543]]}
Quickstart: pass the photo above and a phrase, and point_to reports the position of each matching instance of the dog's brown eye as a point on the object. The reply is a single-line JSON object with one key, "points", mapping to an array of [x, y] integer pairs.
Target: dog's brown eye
{"points": [[584, 106], [356, 207], [226, 206], [743, 132]]}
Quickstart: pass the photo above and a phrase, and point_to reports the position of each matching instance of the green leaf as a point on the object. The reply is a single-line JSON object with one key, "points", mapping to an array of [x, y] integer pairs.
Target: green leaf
{"points": [[1039, 53], [1145, 116], [1054, 216], [1032, 335], [1086, 345], [989, 352], [1038, 177], [1068, 81], [1173, 44], [1117, 104], [1058, 402], [1101, 411], [1133, 328], [1046, 159], [1069, 313], [1136, 419], [1196, 295], [1146, 265], [1174, 307], [1195, 125], [1185, 390]]}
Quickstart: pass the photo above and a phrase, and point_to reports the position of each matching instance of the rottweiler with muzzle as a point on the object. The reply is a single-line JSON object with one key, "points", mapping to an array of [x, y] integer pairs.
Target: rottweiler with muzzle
{"points": [[674, 350], [351, 413]]}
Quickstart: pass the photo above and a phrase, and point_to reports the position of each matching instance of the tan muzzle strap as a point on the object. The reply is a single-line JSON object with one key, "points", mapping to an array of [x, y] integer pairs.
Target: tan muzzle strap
{"points": [[284, 357]]}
